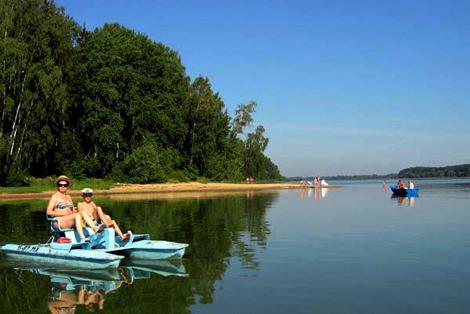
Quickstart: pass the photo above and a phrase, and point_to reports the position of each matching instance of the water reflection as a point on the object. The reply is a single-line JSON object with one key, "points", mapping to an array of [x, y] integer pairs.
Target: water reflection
{"points": [[89, 289], [143, 268], [71, 290], [404, 201], [216, 229], [317, 193]]}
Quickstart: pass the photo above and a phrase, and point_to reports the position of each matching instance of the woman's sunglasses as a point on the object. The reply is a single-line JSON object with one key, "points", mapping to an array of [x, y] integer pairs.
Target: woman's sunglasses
{"points": [[87, 195], [62, 185]]}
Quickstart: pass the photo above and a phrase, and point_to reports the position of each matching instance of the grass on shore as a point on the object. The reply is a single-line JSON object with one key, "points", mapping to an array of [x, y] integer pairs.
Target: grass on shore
{"points": [[47, 184]]}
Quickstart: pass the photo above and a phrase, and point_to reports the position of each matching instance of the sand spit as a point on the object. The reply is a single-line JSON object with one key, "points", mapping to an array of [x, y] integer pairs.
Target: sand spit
{"points": [[166, 190]]}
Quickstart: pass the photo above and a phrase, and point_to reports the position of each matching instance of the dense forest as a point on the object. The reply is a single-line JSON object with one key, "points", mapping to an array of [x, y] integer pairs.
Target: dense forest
{"points": [[432, 172], [112, 103]]}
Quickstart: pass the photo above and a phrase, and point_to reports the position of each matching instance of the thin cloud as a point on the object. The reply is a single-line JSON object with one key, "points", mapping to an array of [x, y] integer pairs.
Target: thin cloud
{"points": [[424, 136]]}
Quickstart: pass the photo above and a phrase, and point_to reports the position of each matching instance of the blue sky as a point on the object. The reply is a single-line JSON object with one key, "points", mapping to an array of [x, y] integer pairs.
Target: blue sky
{"points": [[343, 87]]}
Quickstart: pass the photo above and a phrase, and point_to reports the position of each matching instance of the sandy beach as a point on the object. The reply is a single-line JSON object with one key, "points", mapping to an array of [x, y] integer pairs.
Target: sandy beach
{"points": [[164, 190]]}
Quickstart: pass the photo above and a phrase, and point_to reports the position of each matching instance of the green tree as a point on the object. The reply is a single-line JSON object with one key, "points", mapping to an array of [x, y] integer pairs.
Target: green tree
{"points": [[243, 116], [36, 47], [88, 102], [130, 90], [253, 161], [208, 140], [146, 164]]}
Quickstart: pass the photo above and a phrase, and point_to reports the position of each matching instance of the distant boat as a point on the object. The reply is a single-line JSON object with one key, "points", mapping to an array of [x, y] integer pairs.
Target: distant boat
{"points": [[404, 191]]}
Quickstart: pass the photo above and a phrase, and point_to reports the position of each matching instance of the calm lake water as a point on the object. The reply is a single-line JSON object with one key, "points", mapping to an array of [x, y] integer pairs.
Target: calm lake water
{"points": [[348, 250]]}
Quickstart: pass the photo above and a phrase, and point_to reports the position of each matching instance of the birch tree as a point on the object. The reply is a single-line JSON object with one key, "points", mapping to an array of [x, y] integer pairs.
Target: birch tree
{"points": [[35, 49]]}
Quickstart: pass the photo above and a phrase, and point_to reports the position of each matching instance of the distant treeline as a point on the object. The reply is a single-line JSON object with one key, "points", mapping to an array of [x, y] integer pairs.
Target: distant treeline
{"points": [[362, 177], [433, 172], [351, 177], [112, 103], [413, 172]]}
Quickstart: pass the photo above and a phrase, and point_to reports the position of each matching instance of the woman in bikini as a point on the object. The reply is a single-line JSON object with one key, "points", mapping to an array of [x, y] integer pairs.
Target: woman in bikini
{"points": [[61, 209], [89, 208]]}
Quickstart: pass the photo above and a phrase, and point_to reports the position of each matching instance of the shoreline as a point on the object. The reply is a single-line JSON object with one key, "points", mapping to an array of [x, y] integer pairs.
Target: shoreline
{"points": [[175, 189]]}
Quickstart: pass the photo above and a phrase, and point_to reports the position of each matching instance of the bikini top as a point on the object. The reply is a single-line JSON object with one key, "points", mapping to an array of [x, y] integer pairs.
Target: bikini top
{"points": [[63, 205]]}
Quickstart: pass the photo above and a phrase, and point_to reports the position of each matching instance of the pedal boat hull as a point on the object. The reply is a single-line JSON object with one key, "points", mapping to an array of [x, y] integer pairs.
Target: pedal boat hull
{"points": [[150, 249], [62, 255]]}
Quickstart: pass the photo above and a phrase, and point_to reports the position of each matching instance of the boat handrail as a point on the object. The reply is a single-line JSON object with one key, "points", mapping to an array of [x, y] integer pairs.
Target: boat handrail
{"points": [[54, 230]]}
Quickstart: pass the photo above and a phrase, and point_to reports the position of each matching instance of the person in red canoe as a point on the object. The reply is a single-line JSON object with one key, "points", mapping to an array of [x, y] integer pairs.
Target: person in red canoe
{"points": [[400, 184]]}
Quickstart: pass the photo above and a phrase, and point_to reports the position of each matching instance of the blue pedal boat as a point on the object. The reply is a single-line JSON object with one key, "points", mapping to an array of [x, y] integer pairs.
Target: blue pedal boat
{"points": [[403, 192], [67, 255], [137, 246], [103, 250], [140, 246]]}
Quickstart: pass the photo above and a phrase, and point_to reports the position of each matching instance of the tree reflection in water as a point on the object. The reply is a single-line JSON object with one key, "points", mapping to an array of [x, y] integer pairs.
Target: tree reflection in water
{"points": [[215, 228], [89, 289]]}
